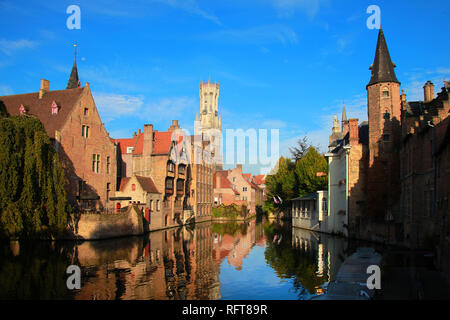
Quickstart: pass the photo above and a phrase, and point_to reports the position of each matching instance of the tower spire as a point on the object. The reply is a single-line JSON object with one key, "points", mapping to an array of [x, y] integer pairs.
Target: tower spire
{"points": [[74, 81], [382, 67], [344, 114]]}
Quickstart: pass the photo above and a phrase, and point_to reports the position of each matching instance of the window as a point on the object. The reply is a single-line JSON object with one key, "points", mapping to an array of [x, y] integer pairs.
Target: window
{"points": [[133, 187], [385, 93], [169, 184], [181, 169], [180, 185], [244, 189], [96, 163], [107, 164], [386, 115], [86, 111], [151, 205], [170, 166], [324, 205], [157, 205], [85, 131]]}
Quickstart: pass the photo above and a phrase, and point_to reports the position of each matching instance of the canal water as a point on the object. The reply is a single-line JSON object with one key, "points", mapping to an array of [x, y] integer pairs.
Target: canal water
{"points": [[232, 261]]}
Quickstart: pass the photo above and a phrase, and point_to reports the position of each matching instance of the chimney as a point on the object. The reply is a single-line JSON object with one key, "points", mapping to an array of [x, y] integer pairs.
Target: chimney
{"points": [[239, 167], [218, 181], [428, 91], [148, 139], [174, 125], [45, 87], [353, 131], [139, 131]]}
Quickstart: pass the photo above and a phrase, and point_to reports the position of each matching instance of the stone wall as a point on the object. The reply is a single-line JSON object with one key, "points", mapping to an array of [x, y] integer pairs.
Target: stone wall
{"points": [[103, 226]]}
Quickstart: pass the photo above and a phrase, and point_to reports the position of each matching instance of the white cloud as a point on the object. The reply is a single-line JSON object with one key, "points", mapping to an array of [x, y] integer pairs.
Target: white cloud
{"points": [[287, 8], [191, 6], [5, 90], [413, 85], [260, 35], [112, 106], [10, 46]]}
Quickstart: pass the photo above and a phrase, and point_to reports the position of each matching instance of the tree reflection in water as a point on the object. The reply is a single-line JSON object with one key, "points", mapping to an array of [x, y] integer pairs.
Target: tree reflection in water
{"points": [[310, 259]]}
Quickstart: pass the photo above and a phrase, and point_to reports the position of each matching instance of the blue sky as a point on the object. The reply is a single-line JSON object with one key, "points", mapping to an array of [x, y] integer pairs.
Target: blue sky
{"points": [[285, 64]]}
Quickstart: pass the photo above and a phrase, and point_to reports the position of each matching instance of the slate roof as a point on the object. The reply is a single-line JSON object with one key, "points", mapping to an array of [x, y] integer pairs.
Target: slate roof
{"points": [[382, 68], [73, 79], [42, 108]]}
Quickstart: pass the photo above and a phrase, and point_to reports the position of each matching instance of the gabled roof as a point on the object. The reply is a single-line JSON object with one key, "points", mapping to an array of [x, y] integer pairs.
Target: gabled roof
{"points": [[223, 177], [42, 108], [382, 68], [146, 183]]}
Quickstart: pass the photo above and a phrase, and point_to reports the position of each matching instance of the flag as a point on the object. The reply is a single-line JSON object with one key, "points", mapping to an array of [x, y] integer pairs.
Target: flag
{"points": [[79, 84], [275, 200]]}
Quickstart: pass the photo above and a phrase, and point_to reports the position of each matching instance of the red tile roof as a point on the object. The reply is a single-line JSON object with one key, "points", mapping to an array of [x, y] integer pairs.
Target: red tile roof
{"points": [[163, 141], [41, 108], [147, 184], [224, 182], [260, 179], [123, 183], [139, 146], [125, 143]]}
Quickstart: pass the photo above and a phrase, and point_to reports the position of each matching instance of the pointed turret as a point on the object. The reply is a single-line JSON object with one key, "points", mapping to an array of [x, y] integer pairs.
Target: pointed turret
{"points": [[382, 67], [344, 114], [74, 81]]}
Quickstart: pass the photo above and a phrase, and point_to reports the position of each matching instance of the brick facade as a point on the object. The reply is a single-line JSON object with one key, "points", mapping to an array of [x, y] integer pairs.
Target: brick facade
{"points": [[87, 153]]}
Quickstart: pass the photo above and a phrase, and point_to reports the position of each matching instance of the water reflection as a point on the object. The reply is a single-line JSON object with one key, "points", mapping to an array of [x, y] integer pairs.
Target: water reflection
{"points": [[252, 260]]}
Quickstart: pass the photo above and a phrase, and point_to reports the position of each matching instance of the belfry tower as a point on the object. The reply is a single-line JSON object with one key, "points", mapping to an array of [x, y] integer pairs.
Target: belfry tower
{"points": [[209, 124], [209, 107]]}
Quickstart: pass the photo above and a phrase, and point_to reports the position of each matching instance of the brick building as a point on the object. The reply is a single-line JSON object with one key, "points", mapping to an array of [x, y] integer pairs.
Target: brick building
{"points": [[235, 187], [71, 120], [397, 177], [202, 170], [163, 157], [425, 168]]}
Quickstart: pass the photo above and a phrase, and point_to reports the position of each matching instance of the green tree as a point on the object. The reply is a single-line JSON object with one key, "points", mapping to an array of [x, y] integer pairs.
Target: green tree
{"points": [[32, 195], [306, 170]]}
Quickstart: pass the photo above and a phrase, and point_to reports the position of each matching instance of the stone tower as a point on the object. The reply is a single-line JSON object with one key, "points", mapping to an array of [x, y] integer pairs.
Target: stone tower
{"points": [[384, 115], [209, 124], [209, 107]]}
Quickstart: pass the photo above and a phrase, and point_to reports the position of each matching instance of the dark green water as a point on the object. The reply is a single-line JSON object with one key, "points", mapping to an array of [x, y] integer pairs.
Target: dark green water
{"points": [[254, 260]]}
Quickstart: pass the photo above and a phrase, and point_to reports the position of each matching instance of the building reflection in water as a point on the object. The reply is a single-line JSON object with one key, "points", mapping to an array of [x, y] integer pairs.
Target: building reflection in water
{"points": [[182, 263], [324, 254], [168, 264]]}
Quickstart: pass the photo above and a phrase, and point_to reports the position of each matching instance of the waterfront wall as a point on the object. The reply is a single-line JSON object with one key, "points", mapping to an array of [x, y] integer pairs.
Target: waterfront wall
{"points": [[93, 226]]}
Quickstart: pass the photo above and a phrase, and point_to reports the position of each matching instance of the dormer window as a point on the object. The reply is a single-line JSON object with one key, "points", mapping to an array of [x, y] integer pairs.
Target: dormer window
{"points": [[22, 110], [54, 108]]}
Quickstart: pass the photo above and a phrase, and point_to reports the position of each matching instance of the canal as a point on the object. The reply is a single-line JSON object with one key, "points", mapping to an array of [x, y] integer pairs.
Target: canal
{"points": [[253, 260]]}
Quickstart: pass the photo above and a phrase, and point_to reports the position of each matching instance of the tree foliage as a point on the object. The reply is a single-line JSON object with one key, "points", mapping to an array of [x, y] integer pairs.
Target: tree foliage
{"points": [[32, 195], [295, 179]]}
